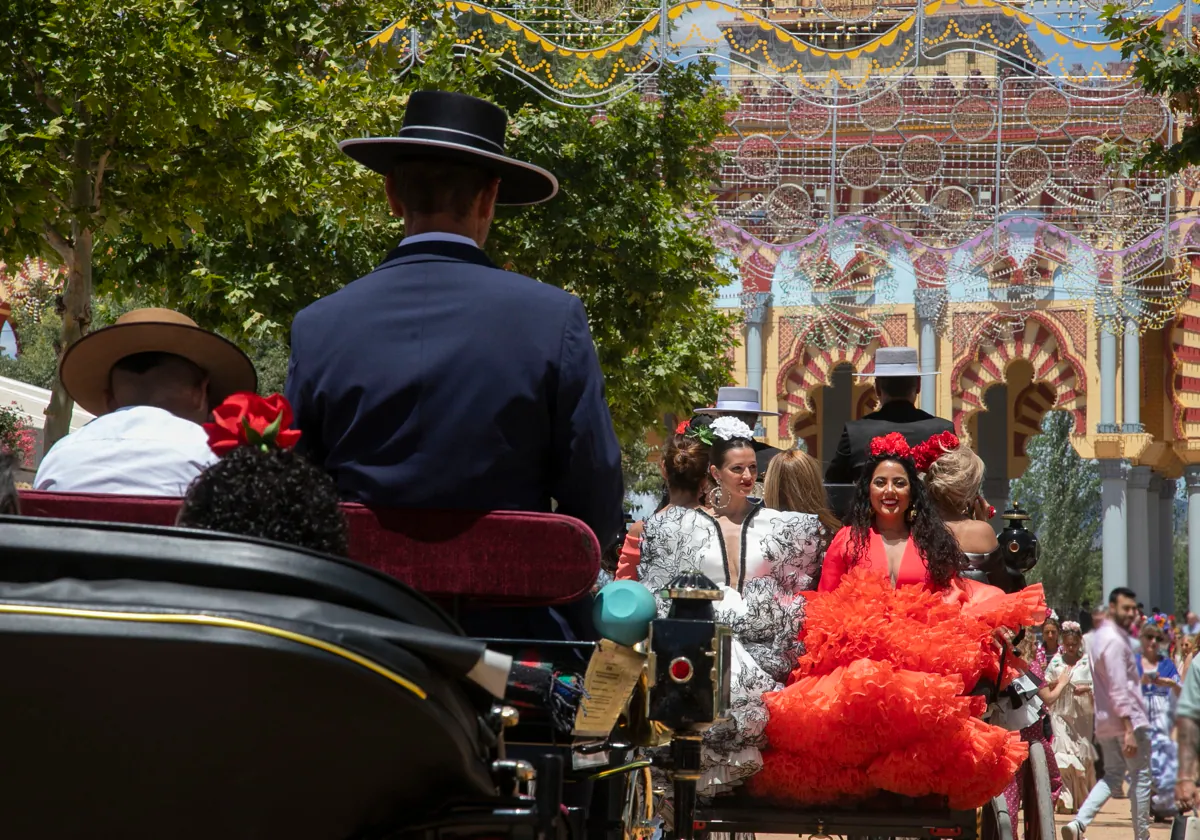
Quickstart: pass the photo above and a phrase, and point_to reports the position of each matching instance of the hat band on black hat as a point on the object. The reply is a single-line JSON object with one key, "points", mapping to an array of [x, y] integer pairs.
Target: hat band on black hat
{"points": [[427, 132]]}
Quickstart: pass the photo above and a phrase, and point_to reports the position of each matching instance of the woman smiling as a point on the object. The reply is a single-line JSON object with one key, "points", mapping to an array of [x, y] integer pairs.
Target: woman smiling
{"points": [[894, 528]]}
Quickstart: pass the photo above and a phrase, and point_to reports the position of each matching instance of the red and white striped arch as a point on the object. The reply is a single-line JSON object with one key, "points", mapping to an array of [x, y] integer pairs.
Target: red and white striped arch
{"points": [[1043, 344]]}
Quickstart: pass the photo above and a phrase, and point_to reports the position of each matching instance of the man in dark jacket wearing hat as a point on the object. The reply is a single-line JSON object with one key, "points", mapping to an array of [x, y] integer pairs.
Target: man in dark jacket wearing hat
{"points": [[440, 380], [897, 384]]}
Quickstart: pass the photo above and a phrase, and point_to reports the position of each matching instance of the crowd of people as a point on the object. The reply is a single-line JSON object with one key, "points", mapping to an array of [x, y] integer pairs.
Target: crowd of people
{"points": [[442, 381]]}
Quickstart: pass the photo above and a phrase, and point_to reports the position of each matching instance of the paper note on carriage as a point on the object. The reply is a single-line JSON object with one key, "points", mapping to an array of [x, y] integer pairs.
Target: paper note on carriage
{"points": [[611, 676]]}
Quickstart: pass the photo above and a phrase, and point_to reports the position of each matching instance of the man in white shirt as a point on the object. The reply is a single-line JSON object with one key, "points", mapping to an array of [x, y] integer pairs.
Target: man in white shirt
{"points": [[151, 378]]}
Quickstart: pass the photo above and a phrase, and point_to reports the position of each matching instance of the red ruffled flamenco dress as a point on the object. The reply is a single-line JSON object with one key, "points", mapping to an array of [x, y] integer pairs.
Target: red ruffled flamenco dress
{"points": [[878, 702]]}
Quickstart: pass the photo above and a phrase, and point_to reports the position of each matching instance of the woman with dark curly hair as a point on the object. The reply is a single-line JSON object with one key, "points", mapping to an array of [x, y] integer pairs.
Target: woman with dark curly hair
{"points": [[261, 487], [893, 525]]}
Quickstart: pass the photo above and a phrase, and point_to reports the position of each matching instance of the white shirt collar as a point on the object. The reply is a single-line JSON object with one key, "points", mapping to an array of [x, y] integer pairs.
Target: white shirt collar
{"points": [[439, 236]]}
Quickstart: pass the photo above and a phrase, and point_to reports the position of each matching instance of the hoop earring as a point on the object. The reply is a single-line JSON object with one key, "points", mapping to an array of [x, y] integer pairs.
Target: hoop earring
{"points": [[716, 497]]}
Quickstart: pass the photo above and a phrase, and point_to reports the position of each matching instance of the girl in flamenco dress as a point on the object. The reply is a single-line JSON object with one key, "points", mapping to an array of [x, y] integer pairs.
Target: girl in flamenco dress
{"points": [[761, 561], [895, 641]]}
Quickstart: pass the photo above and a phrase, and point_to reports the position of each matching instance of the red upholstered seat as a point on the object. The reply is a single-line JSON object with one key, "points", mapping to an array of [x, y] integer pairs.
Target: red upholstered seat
{"points": [[98, 507], [502, 558]]}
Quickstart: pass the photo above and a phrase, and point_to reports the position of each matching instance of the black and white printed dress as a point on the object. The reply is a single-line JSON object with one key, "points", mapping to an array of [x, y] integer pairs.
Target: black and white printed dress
{"points": [[780, 558]]}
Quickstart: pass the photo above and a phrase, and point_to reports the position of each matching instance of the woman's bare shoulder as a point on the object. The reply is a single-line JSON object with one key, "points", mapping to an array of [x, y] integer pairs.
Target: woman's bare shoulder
{"points": [[974, 536]]}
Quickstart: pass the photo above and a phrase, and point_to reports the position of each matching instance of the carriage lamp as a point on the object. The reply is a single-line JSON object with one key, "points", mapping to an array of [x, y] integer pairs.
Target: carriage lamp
{"points": [[1018, 544], [689, 657], [689, 682]]}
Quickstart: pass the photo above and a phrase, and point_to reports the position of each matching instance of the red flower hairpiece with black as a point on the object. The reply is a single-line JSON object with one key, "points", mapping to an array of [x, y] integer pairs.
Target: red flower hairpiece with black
{"points": [[892, 444], [682, 428], [246, 419], [925, 453]]}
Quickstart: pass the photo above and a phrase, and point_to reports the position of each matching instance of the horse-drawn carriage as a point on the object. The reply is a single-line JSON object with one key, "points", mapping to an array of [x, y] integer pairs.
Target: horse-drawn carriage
{"points": [[171, 683]]}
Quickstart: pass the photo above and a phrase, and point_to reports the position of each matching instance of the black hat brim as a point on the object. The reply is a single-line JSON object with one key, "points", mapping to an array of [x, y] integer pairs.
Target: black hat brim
{"points": [[520, 183]]}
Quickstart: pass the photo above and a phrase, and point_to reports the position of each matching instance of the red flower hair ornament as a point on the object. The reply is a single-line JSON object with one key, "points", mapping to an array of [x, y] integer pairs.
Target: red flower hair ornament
{"points": [[246, 419], [892, 444], [924, 454]]}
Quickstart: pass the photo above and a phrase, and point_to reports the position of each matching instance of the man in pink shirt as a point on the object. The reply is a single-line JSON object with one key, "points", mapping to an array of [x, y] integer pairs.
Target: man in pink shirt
{"points": [[1122, 727]]}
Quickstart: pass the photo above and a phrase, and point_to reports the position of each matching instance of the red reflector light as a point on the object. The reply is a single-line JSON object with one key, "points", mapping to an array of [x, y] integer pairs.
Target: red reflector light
{"points": [[681, 669], [945, 832]]}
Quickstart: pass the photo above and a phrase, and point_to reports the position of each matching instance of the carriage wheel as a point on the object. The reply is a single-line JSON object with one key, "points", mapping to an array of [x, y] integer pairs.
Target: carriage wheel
{"points": [[997, 823], [637, 818], [1036, 798]]}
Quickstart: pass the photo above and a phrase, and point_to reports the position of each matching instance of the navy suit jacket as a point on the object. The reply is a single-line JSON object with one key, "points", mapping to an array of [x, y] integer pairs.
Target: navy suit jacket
{"points": [[441, 381]]}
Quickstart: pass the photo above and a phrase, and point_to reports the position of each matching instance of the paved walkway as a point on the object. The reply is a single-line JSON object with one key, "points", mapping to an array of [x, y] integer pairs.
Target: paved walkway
{"points": [[1114, 824]]}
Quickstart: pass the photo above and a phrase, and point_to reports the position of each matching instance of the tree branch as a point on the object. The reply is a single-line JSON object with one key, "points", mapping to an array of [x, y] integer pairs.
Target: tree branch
{"points": [[39, 88], [97, 191], [58, 242]]}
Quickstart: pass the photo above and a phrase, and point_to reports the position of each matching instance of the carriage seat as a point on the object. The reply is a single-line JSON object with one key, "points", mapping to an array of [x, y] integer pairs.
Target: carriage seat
{"points": [[505, 558]]}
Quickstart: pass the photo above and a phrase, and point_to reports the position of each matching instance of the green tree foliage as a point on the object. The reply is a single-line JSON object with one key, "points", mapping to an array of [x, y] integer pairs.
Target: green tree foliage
{"points": [[641, 473], [195, 153], [1165, 63], [37, 362], [1061, 492], [141, 121]]}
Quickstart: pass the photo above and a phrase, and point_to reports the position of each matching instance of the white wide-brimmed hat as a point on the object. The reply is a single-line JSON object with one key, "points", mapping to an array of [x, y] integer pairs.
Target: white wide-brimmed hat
{"points": [[737, 401], [897, 361]]}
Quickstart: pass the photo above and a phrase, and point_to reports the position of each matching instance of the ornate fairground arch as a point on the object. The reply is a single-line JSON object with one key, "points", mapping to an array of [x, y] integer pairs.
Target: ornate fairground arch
{"points": [[1058, 374], [810, 369]]}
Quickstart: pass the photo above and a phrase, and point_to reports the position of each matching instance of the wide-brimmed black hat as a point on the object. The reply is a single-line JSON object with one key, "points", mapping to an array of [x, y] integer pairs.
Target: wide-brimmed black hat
{"points": [[457, 127]]}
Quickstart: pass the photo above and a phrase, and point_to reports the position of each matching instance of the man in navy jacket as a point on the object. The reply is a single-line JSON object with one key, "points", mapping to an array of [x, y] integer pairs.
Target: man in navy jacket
{"points": [[440, 380]]}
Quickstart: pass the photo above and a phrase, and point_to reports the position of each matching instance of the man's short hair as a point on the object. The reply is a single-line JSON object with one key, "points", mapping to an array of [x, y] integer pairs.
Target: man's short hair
{"points": [[898, 387], [433, 186], [1121, 592], [142, 363]]}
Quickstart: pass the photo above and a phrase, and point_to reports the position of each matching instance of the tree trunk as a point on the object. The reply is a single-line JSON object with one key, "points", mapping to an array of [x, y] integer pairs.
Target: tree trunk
{"points": [[77, 291]]}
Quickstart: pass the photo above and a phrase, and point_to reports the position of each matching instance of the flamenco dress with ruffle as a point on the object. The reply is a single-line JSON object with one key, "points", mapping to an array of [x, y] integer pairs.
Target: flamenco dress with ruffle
{"points": [[780, 557], [879, 700]]}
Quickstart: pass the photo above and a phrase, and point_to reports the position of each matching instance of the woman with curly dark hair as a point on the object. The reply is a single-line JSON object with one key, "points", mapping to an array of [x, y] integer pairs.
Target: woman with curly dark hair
{"points": [[893, 525], [262, 487]]}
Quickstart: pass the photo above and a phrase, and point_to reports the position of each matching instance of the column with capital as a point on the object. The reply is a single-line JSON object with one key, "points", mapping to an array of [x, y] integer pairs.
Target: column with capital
{"points": [[930, 305], [1154, 595], [1131, 418], [1192, 476], [1137, 519], [1166, 542], [1114, 539], [1108, 382], [754, 305]]}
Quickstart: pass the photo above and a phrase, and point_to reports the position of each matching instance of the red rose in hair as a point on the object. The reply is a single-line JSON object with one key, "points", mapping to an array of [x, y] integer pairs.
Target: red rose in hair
{"points": [[682, 428], [246, 419], [925, 453], [890, 444]]}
